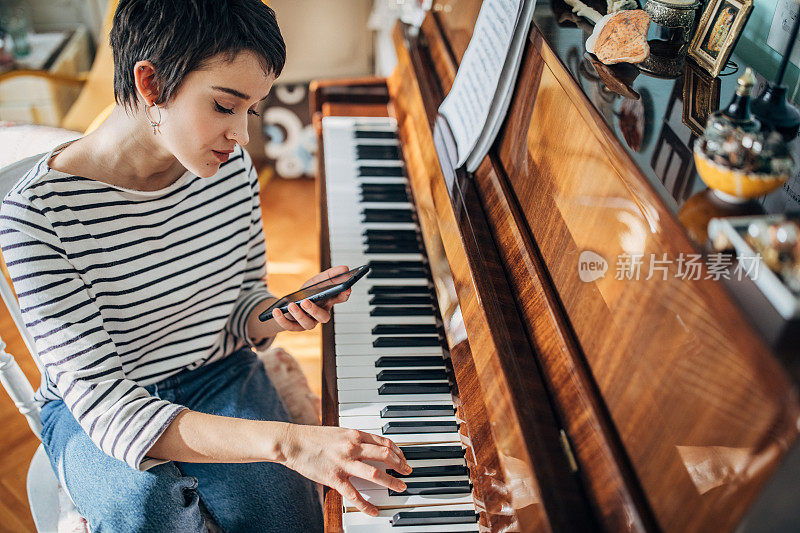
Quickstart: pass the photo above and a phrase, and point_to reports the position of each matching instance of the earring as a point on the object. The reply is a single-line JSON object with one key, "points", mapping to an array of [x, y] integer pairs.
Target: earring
{"points": [[153, 123]]}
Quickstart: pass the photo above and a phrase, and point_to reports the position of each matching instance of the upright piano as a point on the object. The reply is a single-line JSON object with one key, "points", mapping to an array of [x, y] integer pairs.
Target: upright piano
{"points": [[525, 396]]}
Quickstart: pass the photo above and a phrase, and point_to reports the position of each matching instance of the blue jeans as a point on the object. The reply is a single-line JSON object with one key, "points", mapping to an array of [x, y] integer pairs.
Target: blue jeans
{"points": [[112, 496]]}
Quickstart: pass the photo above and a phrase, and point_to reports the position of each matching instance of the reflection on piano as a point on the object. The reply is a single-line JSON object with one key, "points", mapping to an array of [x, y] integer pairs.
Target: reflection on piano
{"points": [[524, 398]]}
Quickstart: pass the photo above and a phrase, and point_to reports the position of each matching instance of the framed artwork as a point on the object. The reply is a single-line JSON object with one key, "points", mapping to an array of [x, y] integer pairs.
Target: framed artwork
{"points": [[719, 29], [700, 98]]}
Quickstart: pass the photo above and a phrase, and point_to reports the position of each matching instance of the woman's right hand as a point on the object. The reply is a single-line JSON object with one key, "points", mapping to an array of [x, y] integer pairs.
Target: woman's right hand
{"points": [[332, 455]]}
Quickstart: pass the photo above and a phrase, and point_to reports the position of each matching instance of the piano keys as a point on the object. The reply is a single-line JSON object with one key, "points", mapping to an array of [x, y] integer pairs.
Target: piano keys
{"points": [[391, 357]]}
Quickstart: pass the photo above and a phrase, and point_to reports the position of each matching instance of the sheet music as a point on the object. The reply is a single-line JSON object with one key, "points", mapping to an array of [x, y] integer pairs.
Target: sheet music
{"points": [[481, 92]]}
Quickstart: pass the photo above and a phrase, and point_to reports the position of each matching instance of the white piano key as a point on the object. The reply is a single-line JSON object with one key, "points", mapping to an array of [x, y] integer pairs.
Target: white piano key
{"points": [[345, 351], [371, 370], [372, 163], [351, 178], [355, 256], [380, 527], [366, 323], [375, 408], [419, 286], [364, 343], [367, 383], [377, 422], [375, 142], [357, 227], [369, 338], [414, 439], [368, 349], [359, 360], [358, 522], [362, 396], [361, 309], [381, 498], [356, 204], [362, 485], [393, 282], [360, 304]]}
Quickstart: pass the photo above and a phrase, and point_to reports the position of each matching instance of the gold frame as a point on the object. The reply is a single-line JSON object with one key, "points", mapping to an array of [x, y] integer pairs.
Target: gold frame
{"points": [[700, 98], [714, 66]]}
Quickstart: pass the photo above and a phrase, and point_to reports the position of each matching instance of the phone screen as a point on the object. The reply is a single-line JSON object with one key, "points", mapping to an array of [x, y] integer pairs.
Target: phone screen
{"points": [[317, 288]]}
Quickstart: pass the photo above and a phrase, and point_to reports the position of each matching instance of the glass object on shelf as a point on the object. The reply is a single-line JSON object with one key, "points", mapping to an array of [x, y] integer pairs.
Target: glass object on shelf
{"points": [[18, 28]]}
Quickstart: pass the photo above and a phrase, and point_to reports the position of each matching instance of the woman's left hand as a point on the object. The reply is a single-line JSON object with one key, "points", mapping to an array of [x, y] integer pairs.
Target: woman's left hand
{"points": [[308, 314]]}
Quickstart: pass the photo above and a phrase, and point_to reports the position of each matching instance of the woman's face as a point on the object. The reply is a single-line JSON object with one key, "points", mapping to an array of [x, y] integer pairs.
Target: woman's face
{"points": [[208, 113]]}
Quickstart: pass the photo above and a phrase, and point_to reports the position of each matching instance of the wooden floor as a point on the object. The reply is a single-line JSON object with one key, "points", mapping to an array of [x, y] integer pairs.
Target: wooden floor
{"points": [[291, 229]]}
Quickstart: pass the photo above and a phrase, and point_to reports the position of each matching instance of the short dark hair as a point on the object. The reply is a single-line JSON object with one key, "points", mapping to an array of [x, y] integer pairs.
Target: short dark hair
{"points": [[180, 36]]}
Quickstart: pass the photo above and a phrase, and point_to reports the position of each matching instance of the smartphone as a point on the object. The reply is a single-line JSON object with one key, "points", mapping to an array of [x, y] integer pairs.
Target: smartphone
{"points": [[317, 292]]}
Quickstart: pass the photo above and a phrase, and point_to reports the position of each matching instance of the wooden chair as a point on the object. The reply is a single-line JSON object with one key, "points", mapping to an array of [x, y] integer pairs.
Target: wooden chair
{"points": [[42, 483]]}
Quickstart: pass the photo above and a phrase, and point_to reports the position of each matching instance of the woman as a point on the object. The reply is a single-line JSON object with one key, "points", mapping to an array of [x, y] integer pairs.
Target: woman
{"points": [[137, 253]]}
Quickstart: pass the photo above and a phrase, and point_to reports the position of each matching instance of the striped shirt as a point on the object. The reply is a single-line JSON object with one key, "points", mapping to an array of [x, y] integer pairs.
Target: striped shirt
{"points": [[123, 288]]}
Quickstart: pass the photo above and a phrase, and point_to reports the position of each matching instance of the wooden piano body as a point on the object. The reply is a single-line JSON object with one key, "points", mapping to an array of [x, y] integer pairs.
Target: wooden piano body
{"points": [[613, 404]]}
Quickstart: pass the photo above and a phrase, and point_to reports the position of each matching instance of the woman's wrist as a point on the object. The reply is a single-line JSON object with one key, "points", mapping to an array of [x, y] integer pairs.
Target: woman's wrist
{"points": [[257, 329], [269, 440], [286, 447]]}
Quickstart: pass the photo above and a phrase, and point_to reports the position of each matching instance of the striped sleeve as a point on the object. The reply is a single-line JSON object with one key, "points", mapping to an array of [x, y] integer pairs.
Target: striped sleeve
{"points": [[254, 286], [78, 355]]}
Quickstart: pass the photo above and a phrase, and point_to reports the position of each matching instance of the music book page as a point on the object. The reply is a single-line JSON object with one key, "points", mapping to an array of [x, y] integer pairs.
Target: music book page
{"points": [[481, 92]]}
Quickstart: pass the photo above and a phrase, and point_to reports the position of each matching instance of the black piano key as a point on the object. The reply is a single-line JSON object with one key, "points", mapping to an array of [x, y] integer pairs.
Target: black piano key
{"points": [[395, 189], [408, 360], [399, 289], [383, 188], [380, 172], [432, 452], [400, 299], [430, 471], [404, 273], [412, 342], [434, 487], [408, 329], [374, 134], [427, 518], [413, 388], [401, 311], [378, 151], [397, 269], [422, 426], [387, 215], [412, 375], [376, 264], [376, 235], [383, 241], [407, 248], [383, 198], [416, 410]]}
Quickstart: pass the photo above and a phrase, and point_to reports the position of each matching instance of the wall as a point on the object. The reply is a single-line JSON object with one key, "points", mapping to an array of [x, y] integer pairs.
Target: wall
{"points": [[52, 15], [324, 39], [753, 49]]}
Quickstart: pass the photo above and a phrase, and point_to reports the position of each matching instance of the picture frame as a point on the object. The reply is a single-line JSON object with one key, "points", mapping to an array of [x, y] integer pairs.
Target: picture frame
{"points": [[720, 27], [700, 98]]}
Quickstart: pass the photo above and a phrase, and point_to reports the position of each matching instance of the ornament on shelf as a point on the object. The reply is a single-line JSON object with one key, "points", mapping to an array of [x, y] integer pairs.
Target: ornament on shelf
{"points": [[737, 160]]}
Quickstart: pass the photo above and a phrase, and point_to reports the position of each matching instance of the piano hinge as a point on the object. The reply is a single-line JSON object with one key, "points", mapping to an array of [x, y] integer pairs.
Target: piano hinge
{"points": [[573, 464]]}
